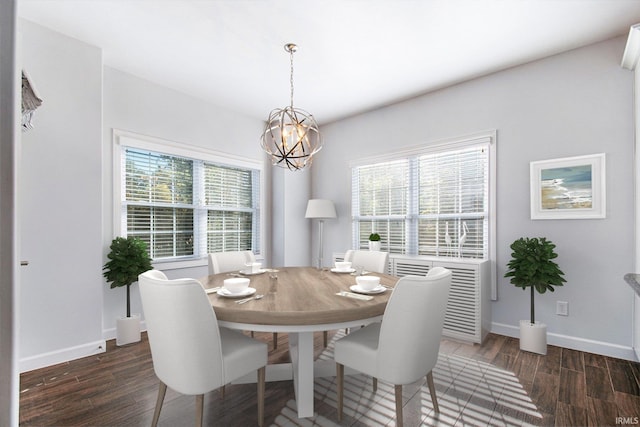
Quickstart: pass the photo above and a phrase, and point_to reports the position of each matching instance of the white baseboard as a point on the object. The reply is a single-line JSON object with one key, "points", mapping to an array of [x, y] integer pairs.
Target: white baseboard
{"points": [[97, 347], [66, 354], [574, 343], [110, 334], [62, 355]]}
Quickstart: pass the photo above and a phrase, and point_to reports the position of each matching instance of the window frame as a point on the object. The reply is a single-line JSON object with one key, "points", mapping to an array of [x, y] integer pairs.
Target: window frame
{"points": [[451, 144], [122, 138]]}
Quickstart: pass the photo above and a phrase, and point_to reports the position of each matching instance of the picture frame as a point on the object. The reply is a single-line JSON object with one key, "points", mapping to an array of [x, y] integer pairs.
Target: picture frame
{"points": [[568, 188]]}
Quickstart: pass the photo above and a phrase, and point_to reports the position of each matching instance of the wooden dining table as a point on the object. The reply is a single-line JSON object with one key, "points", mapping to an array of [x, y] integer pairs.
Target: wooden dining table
{"points": [[299, 301]]}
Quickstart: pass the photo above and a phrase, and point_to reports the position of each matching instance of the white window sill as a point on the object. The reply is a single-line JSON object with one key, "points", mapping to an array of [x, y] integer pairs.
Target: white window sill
{"points": [[179, 264]]}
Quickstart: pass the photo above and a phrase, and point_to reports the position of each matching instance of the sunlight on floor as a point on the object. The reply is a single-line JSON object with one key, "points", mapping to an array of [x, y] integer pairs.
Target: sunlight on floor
{"points": [[470, 392]]}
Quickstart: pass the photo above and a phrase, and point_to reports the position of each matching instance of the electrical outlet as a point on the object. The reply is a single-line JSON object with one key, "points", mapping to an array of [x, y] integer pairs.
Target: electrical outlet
{"points": [[562, 308]]}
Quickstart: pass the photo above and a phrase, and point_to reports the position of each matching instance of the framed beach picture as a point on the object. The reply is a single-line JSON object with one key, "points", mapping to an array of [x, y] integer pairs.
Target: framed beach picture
{"points": [[568, 188]]}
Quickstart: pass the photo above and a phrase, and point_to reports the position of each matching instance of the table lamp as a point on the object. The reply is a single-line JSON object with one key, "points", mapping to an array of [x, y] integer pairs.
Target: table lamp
{"points": [[320, 209]]}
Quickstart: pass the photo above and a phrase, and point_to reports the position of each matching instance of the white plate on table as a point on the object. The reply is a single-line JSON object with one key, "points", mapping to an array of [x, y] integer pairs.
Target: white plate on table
{"points": [[377, 290], [225, 293], [251, 273], [348, 270]]}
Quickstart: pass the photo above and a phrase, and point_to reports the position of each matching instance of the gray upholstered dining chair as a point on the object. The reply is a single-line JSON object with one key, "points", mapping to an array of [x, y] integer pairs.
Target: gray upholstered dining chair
{"points": [[404, 346], [223, 262], [190, 353], [375, 261]]}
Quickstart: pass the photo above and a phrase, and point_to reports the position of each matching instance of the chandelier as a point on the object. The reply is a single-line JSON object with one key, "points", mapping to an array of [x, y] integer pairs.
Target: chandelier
{"points": [[291, 136]]}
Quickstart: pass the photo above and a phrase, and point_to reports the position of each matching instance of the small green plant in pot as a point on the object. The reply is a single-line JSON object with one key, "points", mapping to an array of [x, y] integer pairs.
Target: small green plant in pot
{"points": [[532, 266], [374, 242], [127, 259]]}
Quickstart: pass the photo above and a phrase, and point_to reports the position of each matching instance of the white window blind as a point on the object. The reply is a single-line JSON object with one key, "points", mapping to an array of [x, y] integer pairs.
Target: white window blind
{"points": [[453, 203], [159, 202], [184, 208], [432, 201], [380, 203], [230, 198]]}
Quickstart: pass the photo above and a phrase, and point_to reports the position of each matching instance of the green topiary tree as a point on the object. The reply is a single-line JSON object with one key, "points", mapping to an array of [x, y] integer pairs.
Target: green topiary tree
{"points": [[532, 266], [128, 258]]}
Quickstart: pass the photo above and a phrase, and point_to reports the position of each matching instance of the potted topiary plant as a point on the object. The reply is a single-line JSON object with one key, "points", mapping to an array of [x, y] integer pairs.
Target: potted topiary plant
{"points": [[374, 242], [532, 266], [128, 258]]}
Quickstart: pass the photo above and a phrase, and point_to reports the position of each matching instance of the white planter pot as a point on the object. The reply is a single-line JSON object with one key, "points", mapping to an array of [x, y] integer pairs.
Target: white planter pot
{"points": [[533, 337], [128, 330], [374, 246]]}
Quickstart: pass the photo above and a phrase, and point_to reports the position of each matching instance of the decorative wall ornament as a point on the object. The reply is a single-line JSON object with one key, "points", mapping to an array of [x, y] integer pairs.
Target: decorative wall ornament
{"points": [[30, 102]]}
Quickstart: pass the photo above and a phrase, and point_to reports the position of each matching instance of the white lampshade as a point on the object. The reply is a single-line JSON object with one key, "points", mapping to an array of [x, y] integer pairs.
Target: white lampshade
{"points": [[320, 209]]}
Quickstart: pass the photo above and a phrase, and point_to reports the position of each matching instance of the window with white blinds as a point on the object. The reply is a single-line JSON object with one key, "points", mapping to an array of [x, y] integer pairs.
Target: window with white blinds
{"points": [[432, 201], [381, 198], [159, 202], [185, 207], [230, 200]]}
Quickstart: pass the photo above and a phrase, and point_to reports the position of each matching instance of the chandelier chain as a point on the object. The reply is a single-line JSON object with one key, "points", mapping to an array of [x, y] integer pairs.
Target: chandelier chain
{"points": [[291, 76]]}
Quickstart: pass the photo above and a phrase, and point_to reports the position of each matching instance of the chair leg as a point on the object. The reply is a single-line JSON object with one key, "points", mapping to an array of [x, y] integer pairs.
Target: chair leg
{"points": [[199, 409], [325, 338], [261, 380], [340, 384], [156, 414], [398, 406], [375, 384], [275, 340], [432, 390], [223, 391]]}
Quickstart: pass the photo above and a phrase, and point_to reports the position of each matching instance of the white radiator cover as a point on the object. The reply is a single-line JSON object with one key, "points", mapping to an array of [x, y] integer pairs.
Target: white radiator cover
{"points": [[468, 315]]}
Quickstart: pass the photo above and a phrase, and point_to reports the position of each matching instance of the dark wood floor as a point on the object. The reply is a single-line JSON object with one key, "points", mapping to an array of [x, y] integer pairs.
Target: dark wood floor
{"points": [[119, 388]]}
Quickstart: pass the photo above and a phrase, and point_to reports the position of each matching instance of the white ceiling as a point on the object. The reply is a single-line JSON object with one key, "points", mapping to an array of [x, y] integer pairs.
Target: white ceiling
{"points": [[354, 55]]}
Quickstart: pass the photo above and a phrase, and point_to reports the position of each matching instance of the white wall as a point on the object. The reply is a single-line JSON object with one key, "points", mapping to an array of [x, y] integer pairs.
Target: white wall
{"points": [[290, 229], [139, 106], [67, 309], [636, 117], [60, 201], [566, 105], [9, 149], [636, 299]]}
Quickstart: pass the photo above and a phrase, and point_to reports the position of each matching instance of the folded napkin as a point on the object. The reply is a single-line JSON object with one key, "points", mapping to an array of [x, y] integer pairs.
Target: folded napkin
{"points": [[354, 295]]}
